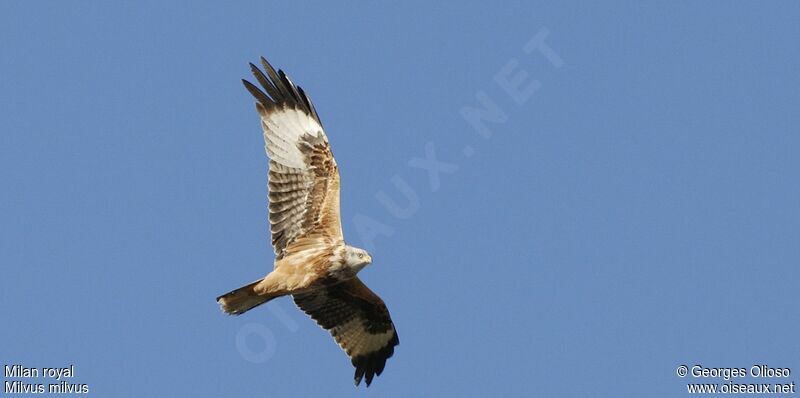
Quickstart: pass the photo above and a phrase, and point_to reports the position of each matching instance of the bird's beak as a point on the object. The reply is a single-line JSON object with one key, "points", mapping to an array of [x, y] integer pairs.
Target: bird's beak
{"points": [[369, 259]]}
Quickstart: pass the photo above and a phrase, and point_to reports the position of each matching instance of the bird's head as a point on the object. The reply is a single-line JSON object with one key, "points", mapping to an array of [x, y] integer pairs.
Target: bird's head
{"points": [[356, 257]]}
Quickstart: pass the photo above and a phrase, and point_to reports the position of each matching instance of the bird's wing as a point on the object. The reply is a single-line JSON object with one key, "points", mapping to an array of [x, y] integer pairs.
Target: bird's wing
{"points": [[359, 322], [303, 177]]}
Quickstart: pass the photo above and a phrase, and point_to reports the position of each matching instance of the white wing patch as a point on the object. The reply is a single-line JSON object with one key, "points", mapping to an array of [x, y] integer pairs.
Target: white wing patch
{"points": [[353, 338], [282, 132]]}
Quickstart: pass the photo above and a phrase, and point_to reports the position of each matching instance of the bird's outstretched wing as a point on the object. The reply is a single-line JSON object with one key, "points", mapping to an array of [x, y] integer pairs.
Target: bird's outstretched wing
{"points": [[359, 322], [303, 176]]}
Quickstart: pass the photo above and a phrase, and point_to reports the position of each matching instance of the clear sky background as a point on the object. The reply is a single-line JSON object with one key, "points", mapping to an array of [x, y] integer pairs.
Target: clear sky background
{"points": [[637, 208]]}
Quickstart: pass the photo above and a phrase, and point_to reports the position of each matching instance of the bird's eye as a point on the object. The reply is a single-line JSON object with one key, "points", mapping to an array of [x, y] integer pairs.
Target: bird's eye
{"points": [[360, 255]]}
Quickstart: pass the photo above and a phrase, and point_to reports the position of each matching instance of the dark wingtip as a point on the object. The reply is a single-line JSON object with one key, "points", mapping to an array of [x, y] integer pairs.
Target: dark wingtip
{"points": [[371, 365], [280, 88], [359, 374], [266, 63], [257, 93], [251, 87]]}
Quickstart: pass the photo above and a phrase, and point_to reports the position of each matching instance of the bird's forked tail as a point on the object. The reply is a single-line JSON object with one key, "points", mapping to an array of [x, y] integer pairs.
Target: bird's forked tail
{"points": [[241, 300]]}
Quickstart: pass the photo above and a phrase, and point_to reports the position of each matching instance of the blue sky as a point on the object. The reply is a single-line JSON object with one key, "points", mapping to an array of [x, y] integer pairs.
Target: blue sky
{"points": [[630, 204]]}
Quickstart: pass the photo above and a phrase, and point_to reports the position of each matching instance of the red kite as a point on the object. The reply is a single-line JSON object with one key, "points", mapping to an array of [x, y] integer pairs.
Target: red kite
{"points": [[312, 263]]}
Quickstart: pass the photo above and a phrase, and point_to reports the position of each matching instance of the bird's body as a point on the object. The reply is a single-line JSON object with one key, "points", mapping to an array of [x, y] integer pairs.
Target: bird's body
{"points": [[313, 263]]}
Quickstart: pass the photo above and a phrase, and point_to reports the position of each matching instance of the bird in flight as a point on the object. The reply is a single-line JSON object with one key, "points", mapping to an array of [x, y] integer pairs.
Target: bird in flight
{"points": [[313, 264]]}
